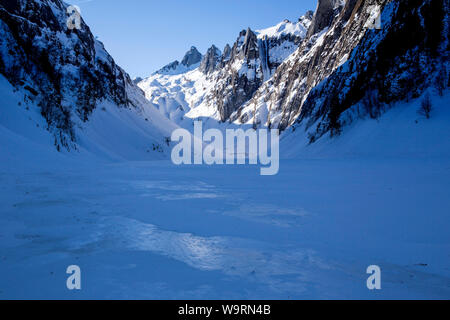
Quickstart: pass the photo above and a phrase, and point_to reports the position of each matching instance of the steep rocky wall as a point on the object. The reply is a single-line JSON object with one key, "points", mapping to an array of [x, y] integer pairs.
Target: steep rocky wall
{"points": [[66, 72], [352, 64]]}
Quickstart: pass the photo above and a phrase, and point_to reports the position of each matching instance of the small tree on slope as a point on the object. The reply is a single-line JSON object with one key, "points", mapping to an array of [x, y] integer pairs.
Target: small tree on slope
{"points": [[425, 106]]}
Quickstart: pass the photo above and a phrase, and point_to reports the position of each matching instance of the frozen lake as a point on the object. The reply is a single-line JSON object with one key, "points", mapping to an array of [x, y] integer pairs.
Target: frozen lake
{"points": [[151, 230]]}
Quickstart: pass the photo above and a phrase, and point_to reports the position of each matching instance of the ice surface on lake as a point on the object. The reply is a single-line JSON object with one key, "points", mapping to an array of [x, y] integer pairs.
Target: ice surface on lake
{"points": [[282, 239]]}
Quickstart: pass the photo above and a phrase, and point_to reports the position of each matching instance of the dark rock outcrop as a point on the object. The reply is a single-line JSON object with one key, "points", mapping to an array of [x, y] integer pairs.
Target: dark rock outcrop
{"points": [[171, 67], [191, 57], [68, 71], [137, 80], [189, 61], [226, 52], [325, 13], [250, 46], [244, 67], [210, 60], [236, 86], [396, 63]]}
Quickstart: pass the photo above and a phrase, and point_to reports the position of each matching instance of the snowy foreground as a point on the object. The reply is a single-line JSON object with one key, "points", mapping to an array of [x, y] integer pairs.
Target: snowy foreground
{"points": [[152, 230], [377, 195]]}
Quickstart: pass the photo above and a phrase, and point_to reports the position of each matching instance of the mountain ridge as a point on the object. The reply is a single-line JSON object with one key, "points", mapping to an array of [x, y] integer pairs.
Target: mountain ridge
{"points": [[190, 61], [309, 84], [223, 82]]}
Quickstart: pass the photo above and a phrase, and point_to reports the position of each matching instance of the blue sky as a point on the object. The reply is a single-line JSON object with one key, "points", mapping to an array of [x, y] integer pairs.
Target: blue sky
{"points": [[144, 35]]}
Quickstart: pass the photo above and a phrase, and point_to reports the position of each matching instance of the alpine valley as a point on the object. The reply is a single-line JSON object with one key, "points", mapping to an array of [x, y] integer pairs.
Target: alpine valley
{"points": [[359, 93]]}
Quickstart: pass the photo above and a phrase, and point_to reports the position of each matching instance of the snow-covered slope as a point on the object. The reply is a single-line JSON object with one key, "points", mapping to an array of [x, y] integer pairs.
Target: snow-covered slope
{"points": [[319, 74], [110, 133], [287, 28], [63, 84], [399, 133]]}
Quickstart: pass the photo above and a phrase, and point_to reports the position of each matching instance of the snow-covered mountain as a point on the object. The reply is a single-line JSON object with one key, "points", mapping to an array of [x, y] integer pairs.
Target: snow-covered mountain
{"points": [[67, 78], [225, 79], [316, 75], [320, 73]]}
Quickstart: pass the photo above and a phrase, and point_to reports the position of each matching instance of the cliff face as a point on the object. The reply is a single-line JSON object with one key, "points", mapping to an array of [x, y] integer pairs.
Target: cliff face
{"points": [[397, 63], [64, 71], [254, 58], [324, 15], [191, 57], [348, 65], [210, 60], [240, 77]]}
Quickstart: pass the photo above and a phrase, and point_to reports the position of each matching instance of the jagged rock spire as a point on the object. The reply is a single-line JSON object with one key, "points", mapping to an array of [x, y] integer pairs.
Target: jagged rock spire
{"points": [[226, 52], [191, 57], [323, 16], [250, 46], [210, 60]]}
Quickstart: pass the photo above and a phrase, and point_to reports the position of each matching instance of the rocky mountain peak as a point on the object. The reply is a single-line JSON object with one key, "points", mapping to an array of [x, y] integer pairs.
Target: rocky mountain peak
{"points": [[324, 15], [193, 56], [309, 15], [169, 68], [226, 52], [190, 61], [210, 60], [137, 80], [250, 45]]}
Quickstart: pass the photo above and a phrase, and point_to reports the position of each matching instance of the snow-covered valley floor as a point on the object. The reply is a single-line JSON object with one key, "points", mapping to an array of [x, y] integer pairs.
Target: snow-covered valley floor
{"points": [[150, 230]]}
